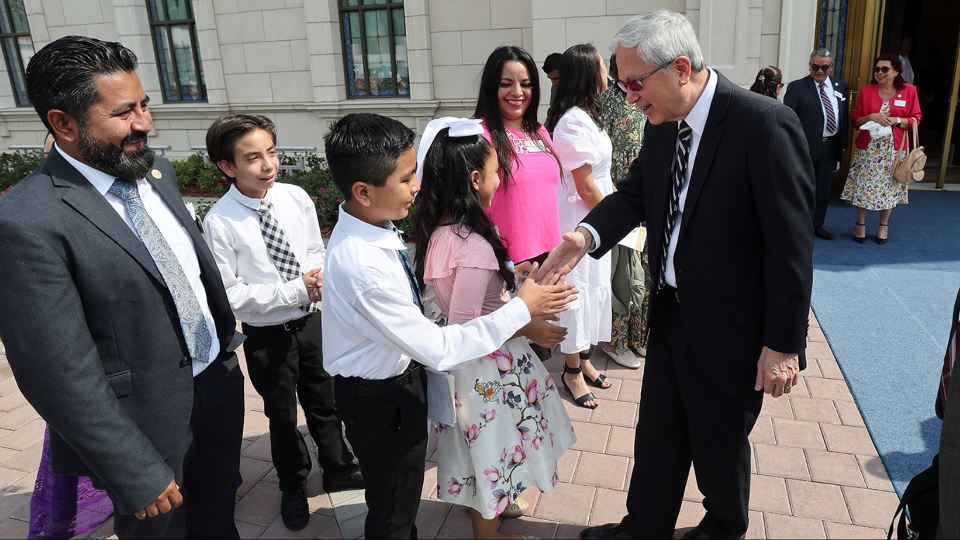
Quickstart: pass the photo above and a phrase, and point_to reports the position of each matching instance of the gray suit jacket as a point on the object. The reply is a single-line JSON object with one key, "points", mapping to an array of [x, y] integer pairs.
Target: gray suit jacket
{"points": [[92, 333]]}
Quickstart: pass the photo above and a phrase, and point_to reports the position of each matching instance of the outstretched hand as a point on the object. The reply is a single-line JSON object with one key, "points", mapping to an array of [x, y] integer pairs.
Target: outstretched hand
{"points": [[548, 298], [544, 333], [564, 257]]}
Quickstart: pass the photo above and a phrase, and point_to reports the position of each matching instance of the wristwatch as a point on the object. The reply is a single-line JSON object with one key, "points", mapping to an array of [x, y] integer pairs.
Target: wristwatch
{"points": [[898, 122]]}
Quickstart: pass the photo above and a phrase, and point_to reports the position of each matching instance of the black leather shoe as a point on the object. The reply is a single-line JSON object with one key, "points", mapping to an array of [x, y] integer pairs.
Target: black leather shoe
{"points": [[609, 531], [696, 534], [348, 477], [823, 233], [294, 509]]}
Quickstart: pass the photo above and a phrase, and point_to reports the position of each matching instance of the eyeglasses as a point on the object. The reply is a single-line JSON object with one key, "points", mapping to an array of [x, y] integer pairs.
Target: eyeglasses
{"points": [[883, 69], [824, 68], [637, 84]]}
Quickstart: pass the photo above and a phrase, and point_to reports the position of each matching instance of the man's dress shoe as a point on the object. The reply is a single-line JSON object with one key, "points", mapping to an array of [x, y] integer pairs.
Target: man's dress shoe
{"points": [[610, 531], [294, 509], [348, 477], [823, 233]]}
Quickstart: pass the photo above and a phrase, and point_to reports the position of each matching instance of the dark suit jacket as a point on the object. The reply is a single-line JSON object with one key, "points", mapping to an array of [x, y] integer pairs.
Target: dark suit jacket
{"points": [[92, 333], [744, 255], [803, 97]]}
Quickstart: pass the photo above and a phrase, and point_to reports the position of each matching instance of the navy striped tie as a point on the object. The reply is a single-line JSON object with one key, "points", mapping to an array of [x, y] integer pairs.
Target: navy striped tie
{"points": [[679, 174], [828, 107]]}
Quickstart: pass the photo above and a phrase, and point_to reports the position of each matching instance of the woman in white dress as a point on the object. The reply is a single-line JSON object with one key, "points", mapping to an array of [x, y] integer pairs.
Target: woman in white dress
{"points": [[584, 149]]}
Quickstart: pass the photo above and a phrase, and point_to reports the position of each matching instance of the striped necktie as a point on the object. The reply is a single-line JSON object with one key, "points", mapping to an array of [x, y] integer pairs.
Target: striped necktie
{"points": [[279, 250], [828, 107], [411, 277], [949, 360], [192, 322], [679, 174]]}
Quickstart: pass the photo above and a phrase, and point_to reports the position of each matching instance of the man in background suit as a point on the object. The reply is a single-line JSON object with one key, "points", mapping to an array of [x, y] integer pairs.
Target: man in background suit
{"points": [[112, 310], [949, 411], [821, 103], [726, 188]]}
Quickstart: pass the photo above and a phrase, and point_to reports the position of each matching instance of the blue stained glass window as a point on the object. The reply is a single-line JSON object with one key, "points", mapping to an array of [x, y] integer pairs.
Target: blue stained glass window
{"points": [[375, 48], [178, 56], [17, 47]]}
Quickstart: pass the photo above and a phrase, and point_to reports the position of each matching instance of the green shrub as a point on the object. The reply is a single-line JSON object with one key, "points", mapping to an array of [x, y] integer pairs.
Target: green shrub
{"points": [[16, 167]]}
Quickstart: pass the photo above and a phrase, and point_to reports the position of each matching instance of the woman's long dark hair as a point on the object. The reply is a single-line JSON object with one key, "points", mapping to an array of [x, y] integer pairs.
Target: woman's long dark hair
{"points": [[447, 191], [579, 86], [767, 81], [894, 60], [488, 107]]}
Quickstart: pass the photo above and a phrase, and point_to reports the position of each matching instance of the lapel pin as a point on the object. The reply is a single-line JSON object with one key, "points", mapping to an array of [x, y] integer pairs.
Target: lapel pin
{"points": [[156, 174]]}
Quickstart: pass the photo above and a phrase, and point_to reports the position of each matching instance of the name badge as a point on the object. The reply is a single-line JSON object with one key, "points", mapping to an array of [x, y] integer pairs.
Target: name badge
{"points": [[839, 95], [899, 103]]}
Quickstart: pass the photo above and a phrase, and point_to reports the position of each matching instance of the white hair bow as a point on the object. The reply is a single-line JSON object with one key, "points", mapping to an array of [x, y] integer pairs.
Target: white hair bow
{"points": [[459, 127]]}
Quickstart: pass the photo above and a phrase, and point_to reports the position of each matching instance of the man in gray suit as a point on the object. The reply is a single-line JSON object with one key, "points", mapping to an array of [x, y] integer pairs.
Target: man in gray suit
{"points": [[113, 314]]}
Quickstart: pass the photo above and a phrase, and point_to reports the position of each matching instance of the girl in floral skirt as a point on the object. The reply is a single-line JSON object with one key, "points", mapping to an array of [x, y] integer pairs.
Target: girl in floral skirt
{"points": [[511, 427]]}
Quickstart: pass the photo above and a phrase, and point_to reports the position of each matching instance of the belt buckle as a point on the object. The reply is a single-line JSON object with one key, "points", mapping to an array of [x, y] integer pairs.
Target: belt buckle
{"points": [[825, 139], [290, 326]]}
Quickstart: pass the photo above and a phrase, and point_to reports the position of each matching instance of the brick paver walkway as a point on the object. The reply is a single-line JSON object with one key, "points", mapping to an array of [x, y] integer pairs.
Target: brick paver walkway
{"points": [[816, 469]]}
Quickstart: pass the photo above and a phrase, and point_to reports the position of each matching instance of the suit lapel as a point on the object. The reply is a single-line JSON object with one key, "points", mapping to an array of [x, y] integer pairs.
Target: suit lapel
{"points": [[707, 149], [90, 203], [815, 96]]}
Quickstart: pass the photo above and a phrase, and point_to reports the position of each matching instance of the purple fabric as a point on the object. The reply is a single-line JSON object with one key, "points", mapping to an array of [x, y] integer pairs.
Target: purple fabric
{"points": [[65, 506]]}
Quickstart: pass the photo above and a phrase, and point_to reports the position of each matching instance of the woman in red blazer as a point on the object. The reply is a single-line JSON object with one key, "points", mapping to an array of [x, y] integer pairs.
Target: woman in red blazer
{"points": [[888, 101]]}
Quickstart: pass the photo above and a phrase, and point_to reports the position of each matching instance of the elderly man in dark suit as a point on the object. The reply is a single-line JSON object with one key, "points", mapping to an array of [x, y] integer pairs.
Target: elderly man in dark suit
{"points": [[821, 103], [112, 310], [949, 411], [726, 188]]}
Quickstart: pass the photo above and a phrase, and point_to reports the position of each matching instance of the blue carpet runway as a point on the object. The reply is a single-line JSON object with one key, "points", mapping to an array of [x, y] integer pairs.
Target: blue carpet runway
{"points": [[886, 313]]}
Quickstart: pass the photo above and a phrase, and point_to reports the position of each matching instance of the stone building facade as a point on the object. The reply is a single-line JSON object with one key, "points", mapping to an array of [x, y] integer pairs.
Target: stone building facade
{"points": [[285, 58]]}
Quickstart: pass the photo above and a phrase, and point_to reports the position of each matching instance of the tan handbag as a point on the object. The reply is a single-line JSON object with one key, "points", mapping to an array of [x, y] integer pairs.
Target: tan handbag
{"points": [[908, 168]]}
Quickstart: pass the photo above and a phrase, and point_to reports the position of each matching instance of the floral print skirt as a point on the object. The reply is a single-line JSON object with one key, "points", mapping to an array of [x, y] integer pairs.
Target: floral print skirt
{"points": [[511, 430], [870, 183]]}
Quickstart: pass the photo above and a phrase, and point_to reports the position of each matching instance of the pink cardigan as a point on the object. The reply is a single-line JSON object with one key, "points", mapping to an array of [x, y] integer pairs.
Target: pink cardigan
{"points": [[870, 102]]}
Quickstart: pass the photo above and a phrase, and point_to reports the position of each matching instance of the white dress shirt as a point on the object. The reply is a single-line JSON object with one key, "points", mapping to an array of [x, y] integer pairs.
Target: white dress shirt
{"points": [[372, 328], [173, 232], [258, 294], [907, 72], [829, 89]]}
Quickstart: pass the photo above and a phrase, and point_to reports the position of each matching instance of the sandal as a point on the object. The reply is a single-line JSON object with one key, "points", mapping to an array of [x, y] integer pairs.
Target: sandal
{"points": [[881, 241], [582, 399], [860, 239]]}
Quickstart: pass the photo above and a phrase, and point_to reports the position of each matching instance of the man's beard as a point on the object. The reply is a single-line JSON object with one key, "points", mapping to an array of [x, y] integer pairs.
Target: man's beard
{"points": [[112, 159]]}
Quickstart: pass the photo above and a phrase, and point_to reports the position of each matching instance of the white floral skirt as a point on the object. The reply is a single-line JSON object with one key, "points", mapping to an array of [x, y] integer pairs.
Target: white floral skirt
{"points": [[511, 431]]}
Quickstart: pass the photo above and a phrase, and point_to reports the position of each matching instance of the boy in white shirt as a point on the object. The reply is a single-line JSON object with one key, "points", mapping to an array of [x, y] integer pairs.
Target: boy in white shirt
{"points": [[373, 307], [266, 241]]}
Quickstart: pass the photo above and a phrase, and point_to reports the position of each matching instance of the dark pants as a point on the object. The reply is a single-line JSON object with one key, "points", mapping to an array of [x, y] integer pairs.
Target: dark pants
{"points": [[823, 169], [389, 434], [206, 466], [684, 418], [283, 366]]}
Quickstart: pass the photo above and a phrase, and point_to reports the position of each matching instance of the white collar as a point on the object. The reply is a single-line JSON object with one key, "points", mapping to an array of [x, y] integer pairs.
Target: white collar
{"points": [[382, 237], [827, 82], [249, 202], [697, 117], [100, 180]]}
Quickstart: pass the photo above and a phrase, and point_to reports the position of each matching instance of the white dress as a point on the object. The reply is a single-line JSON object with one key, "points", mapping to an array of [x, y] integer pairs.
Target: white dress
{"points": [[578, 141]]}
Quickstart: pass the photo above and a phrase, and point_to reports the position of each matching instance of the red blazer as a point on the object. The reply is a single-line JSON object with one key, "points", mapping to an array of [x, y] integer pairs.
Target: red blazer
{"points": [[870, 102]]}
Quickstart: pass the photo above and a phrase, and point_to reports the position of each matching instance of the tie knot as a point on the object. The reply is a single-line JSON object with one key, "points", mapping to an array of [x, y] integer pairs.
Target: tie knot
{"points": [[124, 189], [685, 131], [265, 207]]}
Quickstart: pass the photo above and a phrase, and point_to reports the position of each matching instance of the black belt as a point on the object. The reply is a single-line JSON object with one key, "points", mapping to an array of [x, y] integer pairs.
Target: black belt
{"points": [[289, 327], [672, 291], [825, 139], [381, 387]]}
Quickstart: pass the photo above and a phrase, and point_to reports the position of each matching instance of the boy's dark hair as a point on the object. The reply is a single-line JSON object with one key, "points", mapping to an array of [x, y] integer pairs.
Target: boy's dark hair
{"points": [[364, 147], [60, 76], [552, 62], [446, 190], [580, 87], [223, 134]]}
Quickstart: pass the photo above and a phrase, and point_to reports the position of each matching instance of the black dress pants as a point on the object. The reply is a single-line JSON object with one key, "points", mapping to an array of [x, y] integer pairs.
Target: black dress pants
{"points": [[205, 466], [684, 418], [389, 434], [823, 169], [283, 366]]}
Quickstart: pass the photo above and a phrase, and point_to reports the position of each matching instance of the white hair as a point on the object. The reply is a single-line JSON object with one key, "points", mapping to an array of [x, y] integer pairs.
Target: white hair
{"points": [[659, 37], [822, 51]]}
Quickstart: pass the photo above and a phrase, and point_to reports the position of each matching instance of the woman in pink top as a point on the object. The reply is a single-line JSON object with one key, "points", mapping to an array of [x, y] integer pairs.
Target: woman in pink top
{"points": [[525, 209], [511, 427]]}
